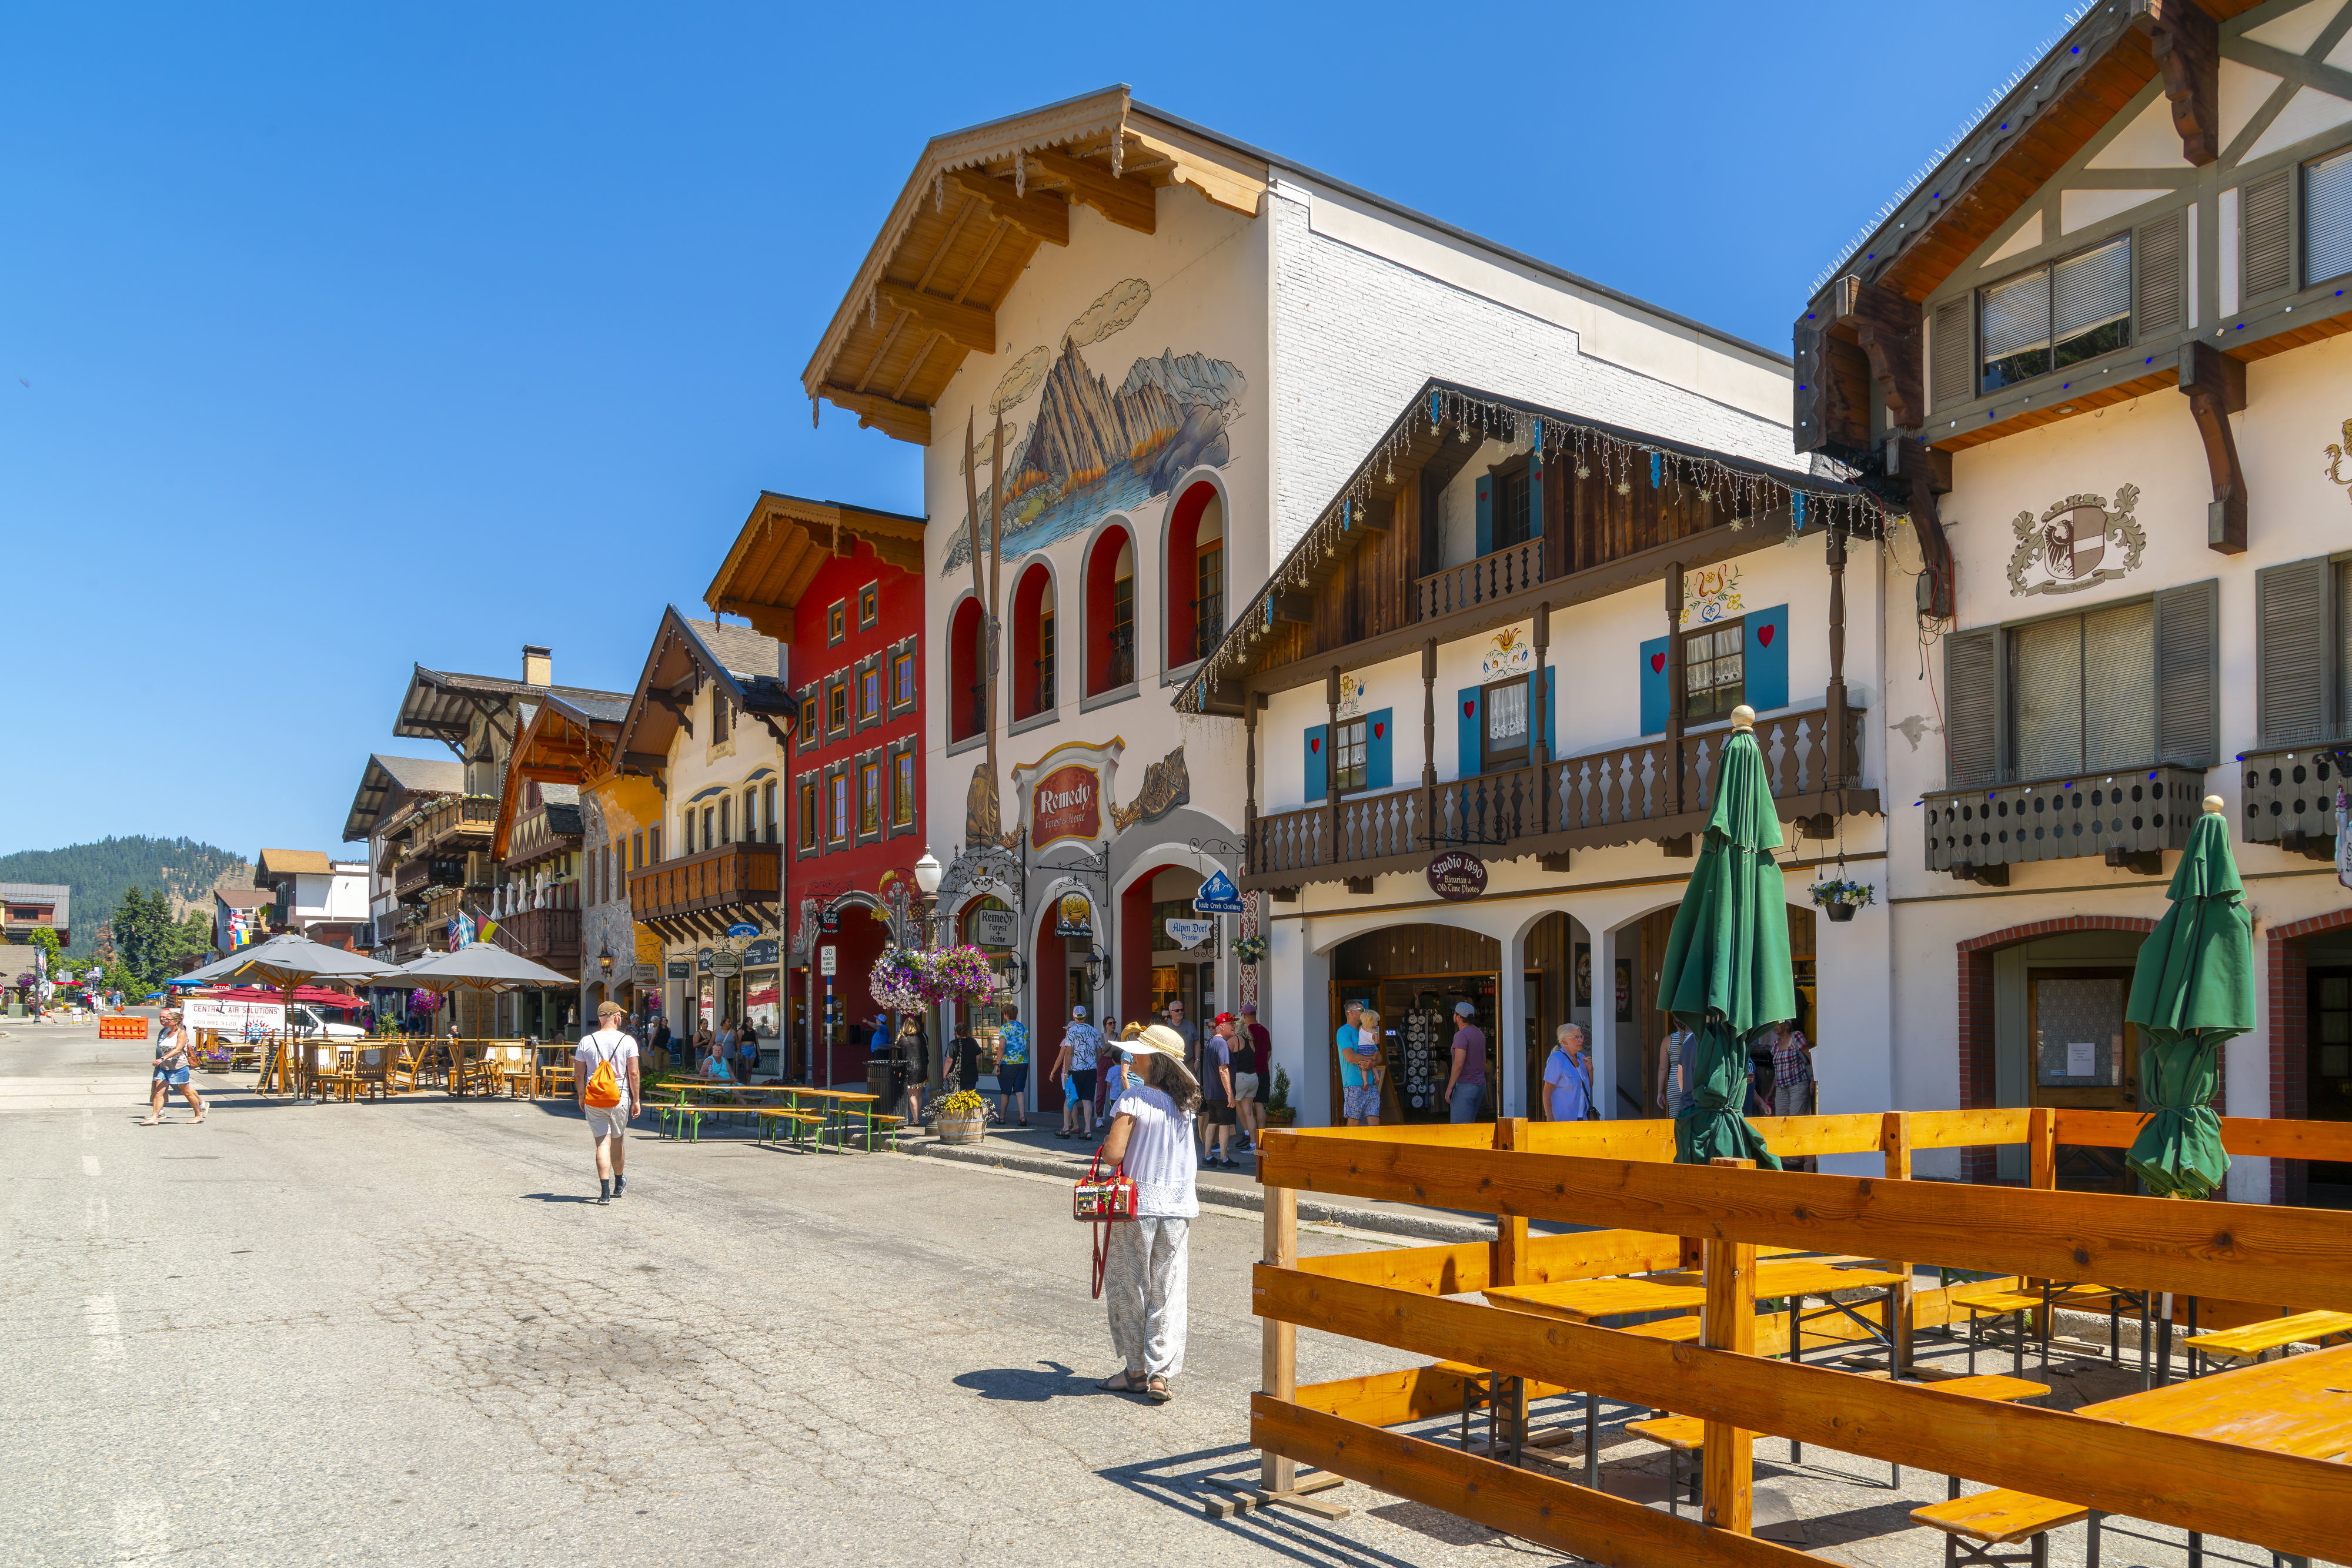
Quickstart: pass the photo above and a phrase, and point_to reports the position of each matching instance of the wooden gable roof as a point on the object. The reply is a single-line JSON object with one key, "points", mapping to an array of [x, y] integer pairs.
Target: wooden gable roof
{"points": [[564, 743], [783, 543], [977, 207]]}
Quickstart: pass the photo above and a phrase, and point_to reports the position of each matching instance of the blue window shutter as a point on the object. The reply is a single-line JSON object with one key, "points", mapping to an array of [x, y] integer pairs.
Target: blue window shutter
{"points": [[1485, 514], [1318, 759], [1551, 710], [1653, 687], [1380, 733], [1468, 708], [1535, 493], [1768, 658]]}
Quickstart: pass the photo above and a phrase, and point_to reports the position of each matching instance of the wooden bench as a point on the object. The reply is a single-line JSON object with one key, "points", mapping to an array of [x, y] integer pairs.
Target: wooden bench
{"points": [[1976, 1523], [774, 1123], [2258, 1340], [2000, 1304], [1684, 1438]]}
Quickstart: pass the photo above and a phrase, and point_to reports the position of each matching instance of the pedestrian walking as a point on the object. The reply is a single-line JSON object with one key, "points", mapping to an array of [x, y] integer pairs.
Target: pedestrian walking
{"points": [[914, 1051], [605, 1085], [1260, 1048], [175, 1051], [747, 1038], [1106, 1068], [1465, 1083], [1360, 1088], [1567, 1077], [1080, 1042], [658, 1039], [964, 1050], [1217, 1093], [1012, 1069], [1243, 1046], [1144, 1278], [1677, 1071]]}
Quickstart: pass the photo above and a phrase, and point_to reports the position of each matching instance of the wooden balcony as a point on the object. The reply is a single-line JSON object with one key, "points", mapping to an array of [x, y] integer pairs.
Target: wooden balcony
{"points": [[465, 823], [2289, 798], [1624, 795], [701, 894], [550, 936], [1474, 583], [2126, 818]]}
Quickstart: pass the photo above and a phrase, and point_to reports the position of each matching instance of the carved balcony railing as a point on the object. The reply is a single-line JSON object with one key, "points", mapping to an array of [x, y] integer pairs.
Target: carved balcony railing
{"points": [[2289, 798], [550, 936], [1624, 795], [457, 823], [2128, 817], [1496, 575], [696, 892]]}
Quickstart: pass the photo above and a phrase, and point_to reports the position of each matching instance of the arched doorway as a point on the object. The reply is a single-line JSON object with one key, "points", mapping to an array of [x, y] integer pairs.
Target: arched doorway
{"points": [[1061, 979], [1415, 975], [1195, 611], [1155, 967], [2311, 1047], [1633, 991]]}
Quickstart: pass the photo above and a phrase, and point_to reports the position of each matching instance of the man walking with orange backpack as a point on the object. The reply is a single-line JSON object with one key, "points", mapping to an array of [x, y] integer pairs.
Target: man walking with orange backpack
{"points": [[604, 1071]]}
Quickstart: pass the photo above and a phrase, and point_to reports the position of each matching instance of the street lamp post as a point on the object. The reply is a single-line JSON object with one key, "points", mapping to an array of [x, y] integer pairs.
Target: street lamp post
{"points": [[927, 884]]}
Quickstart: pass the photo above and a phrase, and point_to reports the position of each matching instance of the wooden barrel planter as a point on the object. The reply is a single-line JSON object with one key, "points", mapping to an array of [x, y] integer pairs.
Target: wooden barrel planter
{"points": [[961, 1129]]}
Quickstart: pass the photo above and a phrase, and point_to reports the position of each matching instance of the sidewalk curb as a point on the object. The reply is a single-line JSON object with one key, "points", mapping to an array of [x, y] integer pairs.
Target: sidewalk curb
{"points": [[1429, 1227]]}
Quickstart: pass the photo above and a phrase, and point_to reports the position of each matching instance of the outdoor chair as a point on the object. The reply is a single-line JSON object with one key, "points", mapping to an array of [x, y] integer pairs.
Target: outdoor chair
{"points": [[1684, 1438], [1973, 1525], [2256, 1340]]}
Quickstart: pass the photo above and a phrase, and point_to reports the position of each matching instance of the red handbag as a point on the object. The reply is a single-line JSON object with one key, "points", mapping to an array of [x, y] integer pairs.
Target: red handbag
{"points": [[1103, 1201]]}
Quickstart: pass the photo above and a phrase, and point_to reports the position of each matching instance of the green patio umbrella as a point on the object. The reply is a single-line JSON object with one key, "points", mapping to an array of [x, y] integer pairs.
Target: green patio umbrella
{"points": [[1726, 973], [2192, 988]]}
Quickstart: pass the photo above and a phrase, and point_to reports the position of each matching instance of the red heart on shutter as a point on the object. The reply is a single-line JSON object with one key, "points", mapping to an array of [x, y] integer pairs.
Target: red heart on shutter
{"points": [[1378, 730], [1470, 708], [1764, 634], [1315, 745], [1658, 664]]}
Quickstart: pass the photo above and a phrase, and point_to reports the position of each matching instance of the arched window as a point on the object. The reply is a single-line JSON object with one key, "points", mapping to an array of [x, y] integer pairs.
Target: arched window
{"points": [[1110, 613], [1035, 644], [967, 706], [1196, 574]]}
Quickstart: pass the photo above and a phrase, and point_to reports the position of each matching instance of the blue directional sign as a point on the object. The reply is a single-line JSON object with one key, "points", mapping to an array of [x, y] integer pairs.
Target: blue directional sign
{"points": [[1217, 896], [742, 929]]}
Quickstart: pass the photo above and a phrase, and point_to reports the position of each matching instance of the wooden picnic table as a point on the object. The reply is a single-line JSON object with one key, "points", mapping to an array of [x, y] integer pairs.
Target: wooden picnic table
{"points": [[1580, 1300], [2296, 1405], [843, 1102]]}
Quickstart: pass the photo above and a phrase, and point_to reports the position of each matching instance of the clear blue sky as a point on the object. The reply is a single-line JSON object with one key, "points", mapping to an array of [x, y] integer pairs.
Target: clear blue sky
{"points": [[359, 337]]}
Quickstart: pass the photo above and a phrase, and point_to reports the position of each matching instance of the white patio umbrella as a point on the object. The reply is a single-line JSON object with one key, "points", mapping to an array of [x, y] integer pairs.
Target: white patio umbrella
{"points": [[481, 967], [286, 962]]}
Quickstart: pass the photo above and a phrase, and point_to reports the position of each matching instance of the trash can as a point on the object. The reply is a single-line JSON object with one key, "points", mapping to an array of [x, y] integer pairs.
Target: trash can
{"points": [[887, 1080]]}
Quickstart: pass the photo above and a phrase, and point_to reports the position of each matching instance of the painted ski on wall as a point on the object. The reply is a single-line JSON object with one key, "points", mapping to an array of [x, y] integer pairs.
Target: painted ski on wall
{"points": [[1089, 449]]}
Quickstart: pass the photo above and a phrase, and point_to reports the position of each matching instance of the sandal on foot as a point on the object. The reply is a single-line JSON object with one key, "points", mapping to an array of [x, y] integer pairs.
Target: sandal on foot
{"points": [[152, 1122], [1120, 1383], [1157, 1389]]}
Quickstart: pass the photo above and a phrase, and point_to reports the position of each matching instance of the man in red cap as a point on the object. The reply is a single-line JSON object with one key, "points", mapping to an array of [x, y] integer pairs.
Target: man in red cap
{"points": [[1217, 1093]]}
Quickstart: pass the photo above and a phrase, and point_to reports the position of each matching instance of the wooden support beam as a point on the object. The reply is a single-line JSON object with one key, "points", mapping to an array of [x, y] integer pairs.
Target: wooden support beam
{"points": [[2216, 386], [1130, 203], [970, 327], [2283, 1502], [2186, 40], [1727, 1465], [890, 550], [1278, 1367], [900, 421], [1299, 608], [2243, 1251], [1886, 327], [1895, 1143], [1040, 215], [643, 762], [1555, 1513], [768, 620], [1928, 472]]}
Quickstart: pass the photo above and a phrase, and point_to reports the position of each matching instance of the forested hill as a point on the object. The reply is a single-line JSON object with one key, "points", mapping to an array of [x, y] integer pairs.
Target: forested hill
{"points": [[100, 873]]}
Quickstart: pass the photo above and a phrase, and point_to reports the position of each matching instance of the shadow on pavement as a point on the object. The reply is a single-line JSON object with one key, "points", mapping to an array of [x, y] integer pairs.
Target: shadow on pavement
{"points": [[1029, 1386], [1186, 1481], [556, 1197]]}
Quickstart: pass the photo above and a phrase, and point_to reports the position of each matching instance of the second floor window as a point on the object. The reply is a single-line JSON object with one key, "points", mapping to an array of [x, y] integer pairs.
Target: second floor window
{"points": [[1348, 755], [719, 713], [808, 813], [869, 696], [769, 800], [1043, 668], [638, 852], [1122, 633], [869, 802], [838, 789], [1513, 518], [902, 679], [653, 843], [1208, 600], [1714, 672], [838, 708], [1506, 736], [809, 735], [2082, 692], [2075, 308]]}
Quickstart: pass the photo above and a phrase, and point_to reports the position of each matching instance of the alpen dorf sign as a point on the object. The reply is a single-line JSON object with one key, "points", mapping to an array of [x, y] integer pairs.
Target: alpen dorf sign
{"points": [[1065, 804], [1458, 876]]}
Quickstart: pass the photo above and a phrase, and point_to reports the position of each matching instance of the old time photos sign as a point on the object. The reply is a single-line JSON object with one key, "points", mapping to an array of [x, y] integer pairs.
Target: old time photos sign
{"points": [[1457, 875]]}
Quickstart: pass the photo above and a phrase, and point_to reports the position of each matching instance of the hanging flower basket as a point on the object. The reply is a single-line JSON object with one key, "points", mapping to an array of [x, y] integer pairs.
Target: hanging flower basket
{"points": [[424, 1001], [1250, 950], [1839, 898], [908, 980], [961, 973], [896, 981]]}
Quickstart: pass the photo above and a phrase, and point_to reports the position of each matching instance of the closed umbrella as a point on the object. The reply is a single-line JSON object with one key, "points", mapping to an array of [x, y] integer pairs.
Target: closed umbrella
{"points": [[1726, 974], [481, 967], [2192, 988], [285, 962]]}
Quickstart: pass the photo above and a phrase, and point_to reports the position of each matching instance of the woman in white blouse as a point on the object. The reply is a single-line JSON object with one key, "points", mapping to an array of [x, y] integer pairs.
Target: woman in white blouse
{"points": [[1151, 1132]]}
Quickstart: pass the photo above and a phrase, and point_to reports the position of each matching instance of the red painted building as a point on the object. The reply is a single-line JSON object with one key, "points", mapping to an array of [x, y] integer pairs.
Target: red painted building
{"points": [[841, 586]]}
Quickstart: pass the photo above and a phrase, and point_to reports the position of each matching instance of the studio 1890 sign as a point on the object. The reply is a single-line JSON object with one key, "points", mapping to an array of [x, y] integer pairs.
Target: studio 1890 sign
{"points": [[1457, 874]]}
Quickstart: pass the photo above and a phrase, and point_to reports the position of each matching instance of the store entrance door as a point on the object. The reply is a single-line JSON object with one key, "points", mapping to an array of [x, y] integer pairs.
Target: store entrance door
{"points": [[2328, 1087], [2084, 1057]]}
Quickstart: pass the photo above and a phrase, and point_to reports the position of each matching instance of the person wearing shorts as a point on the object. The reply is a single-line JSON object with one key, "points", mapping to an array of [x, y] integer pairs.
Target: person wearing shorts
{"points": [[174, 1051], [1012, 1069], [1080, 1040], [608, 1126], [1360, 1088]]}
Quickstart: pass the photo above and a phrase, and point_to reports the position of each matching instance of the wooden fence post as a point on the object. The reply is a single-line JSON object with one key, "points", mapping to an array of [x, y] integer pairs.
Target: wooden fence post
{"points": [[1279, 1369], [1894, 1141], [1728, 1467], [2042, 1167], [1509, 1267]]}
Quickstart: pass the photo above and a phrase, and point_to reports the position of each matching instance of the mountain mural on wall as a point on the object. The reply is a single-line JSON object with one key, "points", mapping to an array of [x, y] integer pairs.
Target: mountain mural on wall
{"points": [[1089, 450]]}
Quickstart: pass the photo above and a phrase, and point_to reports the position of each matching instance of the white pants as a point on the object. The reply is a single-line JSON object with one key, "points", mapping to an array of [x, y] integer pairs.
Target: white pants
{"points": [[1145, 1285]]}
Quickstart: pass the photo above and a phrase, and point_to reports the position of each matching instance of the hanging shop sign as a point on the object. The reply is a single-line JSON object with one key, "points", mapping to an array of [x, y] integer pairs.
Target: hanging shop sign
{"points": [[1217, 896], [994, 928], [1191, 933], [742, 929], [645, 974], [1065, 804], [681, 969], [702, 960], [1458, 876], [761, 955], [726, 961], [1073, 915]]}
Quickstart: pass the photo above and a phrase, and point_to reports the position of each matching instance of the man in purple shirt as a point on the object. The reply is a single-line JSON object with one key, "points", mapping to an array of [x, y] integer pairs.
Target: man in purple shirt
{"points": [[1465, 1086]]}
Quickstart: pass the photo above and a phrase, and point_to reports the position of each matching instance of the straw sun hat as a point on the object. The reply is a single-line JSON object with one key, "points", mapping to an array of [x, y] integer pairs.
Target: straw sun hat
{"points": [[1158, 1040]]}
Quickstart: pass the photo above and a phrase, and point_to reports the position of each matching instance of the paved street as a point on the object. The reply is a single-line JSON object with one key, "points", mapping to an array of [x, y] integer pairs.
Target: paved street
{"points": [[398, 1332]]}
